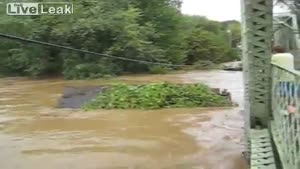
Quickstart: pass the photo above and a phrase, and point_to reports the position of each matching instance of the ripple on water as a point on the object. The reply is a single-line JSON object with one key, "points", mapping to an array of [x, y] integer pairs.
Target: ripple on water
{"points": [[6, 99], [16, 105], [3, 111]]}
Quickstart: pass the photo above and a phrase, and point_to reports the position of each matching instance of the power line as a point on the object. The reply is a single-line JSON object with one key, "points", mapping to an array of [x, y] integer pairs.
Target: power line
{"points": [[3, 35]]}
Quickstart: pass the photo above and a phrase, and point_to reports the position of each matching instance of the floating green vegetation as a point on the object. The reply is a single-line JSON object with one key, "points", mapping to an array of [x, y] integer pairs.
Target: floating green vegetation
{"points": [[156, 96]]}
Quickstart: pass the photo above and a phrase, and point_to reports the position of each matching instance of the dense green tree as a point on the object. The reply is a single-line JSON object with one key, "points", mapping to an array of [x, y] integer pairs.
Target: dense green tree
{"points": [[207, 46], [207, 40], [234, 28], [148, 30]]}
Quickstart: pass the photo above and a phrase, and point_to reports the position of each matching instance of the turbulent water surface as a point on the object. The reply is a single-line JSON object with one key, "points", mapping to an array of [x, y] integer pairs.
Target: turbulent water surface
{"points": [[34, 134]]}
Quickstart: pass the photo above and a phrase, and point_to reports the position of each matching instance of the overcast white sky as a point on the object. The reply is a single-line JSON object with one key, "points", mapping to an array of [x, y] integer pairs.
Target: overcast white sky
{"points": [[220, 10]]}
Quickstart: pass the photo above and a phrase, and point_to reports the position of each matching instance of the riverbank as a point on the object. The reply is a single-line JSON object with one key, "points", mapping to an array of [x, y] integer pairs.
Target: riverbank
{"points": [[204, 66]]}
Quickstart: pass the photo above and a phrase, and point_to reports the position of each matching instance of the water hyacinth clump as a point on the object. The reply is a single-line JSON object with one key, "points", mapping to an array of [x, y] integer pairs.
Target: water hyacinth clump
{"points": [[157, 96]]}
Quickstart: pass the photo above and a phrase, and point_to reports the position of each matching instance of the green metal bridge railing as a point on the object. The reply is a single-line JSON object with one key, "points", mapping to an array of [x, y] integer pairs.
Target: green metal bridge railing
{"points": [[272, 92], [286, 124], [285, 95]]}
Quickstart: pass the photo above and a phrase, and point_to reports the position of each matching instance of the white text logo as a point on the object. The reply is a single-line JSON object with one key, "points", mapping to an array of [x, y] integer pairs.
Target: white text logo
{"points": [[49, 8]]}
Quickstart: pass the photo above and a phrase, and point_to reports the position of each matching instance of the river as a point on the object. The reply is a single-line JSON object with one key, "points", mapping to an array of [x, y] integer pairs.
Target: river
{"points": [[36, 135]]}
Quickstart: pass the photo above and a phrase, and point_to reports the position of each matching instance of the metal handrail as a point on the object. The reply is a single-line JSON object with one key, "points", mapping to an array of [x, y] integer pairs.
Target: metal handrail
{"points": [[285, 110]]}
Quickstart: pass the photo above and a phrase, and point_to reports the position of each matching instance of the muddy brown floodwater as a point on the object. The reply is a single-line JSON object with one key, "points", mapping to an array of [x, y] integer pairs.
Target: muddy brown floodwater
{"points": [[36, 135]]}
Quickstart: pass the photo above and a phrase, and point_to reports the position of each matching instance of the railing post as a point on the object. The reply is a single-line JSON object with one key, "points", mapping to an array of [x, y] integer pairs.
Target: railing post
{"points": [[257, 45]]}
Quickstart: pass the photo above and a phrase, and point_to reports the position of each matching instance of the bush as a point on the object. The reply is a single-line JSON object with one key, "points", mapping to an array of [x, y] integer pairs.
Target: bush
{"points": [[159, 70], [204, 65], [155, 96], [89, 71]]}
